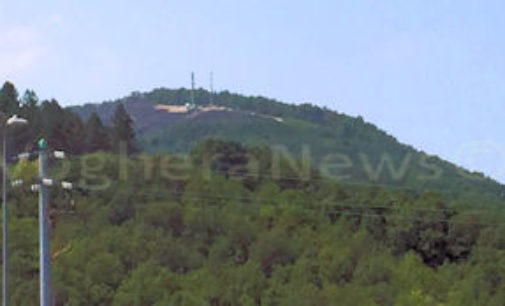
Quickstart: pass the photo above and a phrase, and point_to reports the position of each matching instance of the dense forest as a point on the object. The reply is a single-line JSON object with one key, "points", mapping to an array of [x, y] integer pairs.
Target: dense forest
{"points": [[158, 232], [217, 227]]}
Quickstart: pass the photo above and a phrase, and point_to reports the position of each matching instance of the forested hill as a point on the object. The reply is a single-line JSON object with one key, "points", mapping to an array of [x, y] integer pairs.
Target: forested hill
{"points": [[209, 228], [345, 148]]}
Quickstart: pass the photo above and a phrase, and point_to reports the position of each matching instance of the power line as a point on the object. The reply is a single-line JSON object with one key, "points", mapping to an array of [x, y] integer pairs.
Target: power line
{"points": [[364, 214], [390, 206], [215, 199]]}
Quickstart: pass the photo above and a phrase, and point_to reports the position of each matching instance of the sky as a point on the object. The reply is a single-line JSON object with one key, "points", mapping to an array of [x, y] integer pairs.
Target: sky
{"points": [[431, 73]]}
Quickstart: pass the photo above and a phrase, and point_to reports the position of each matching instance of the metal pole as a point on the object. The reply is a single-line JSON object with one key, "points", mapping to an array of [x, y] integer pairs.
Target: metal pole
{"points": [[211, 87], [192, 88], [45, 259], [4, 219]]}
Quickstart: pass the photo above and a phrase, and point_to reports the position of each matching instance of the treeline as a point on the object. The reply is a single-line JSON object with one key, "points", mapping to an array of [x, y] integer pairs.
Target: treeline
{"points": [[62, 128]]}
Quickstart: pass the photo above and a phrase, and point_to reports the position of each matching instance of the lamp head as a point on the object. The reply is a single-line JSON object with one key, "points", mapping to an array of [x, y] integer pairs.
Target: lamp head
{"points": [[15, 120]]}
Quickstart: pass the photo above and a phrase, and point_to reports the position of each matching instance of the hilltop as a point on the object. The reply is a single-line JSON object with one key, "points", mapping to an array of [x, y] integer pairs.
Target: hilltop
{"points": [[345, 148]]}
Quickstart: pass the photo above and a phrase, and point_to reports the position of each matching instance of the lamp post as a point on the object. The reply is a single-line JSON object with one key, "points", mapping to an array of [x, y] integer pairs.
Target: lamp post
{"points": [[12, 121], [44, 255]]}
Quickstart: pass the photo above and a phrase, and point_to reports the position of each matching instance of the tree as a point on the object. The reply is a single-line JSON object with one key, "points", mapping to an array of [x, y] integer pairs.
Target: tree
{"points": [[9, 103], [29, 99], [30, 110], [20, 138], [52, 125], [219, 155], [146, 285], [123, 131], [63, 129], [74, 133], [96, 136]]}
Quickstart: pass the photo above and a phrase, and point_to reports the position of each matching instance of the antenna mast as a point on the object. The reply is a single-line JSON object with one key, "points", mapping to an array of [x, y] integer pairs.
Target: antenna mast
{"points": [[211, 87], [192, 88]]}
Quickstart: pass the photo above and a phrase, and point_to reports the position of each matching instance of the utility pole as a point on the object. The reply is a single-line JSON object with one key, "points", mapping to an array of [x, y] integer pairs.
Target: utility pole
{"points": [[44, 219], [44, 226]]}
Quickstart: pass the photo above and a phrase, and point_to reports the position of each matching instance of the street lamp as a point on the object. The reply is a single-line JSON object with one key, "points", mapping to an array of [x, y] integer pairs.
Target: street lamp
{"points": [[12, 121], [15, 120]]}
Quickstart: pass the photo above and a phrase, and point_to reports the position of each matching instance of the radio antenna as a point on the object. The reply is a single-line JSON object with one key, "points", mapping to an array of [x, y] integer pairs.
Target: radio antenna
{"points": [[192, 88]]}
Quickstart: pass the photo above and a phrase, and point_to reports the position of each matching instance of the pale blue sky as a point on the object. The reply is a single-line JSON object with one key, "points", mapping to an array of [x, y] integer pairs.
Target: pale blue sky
{"points": [[432, 73]]}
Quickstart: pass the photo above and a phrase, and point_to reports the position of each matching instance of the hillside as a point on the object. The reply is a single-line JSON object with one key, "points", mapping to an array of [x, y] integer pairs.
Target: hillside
{"points": [[150, 239], [344, 148], [219, 226]]}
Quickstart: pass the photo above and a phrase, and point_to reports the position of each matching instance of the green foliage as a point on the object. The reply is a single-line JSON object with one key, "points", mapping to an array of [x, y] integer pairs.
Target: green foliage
{"points": [[97, 138], [229, 232], [123, 130], [213, 241], [148, 284], [62, 128], [9, 104], [220, 156]]}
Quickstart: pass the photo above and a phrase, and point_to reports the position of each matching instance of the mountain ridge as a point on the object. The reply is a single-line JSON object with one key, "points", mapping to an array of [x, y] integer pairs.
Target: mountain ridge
{"points": [[364, 152]]}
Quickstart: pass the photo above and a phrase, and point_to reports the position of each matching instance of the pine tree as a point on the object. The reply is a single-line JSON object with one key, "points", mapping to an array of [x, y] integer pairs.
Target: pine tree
{"points": [[20, 136], [52, 130], [29, 100], [30, 110], [74, 132], [123, 131], [63, 129], [97, 138], [9, 103]]}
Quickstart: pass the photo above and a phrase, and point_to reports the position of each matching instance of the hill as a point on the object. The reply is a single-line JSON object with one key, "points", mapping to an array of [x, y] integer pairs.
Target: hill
{"points": [[340, 147], [220, 226]]}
